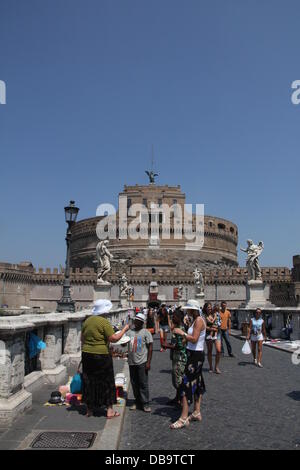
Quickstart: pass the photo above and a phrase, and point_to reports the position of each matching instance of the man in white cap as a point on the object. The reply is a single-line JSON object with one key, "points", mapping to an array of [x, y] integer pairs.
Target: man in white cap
{"points": [[139, 361]]}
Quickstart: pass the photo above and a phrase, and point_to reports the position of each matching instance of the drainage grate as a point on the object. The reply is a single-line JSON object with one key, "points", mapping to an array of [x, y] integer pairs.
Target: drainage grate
{"points": [[64, 440]]}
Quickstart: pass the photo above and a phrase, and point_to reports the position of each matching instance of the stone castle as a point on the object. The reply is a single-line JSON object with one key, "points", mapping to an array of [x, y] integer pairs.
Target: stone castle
{"points": [[149, 261]]}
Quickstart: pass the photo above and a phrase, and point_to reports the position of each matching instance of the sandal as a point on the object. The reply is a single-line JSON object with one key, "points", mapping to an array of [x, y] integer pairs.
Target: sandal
{"points": [[195, 416], [115, 415], [180, 423]]}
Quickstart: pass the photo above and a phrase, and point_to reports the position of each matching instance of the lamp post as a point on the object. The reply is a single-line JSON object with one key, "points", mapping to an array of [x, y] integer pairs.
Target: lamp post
{"points": [[66, 304], [216, 287]]}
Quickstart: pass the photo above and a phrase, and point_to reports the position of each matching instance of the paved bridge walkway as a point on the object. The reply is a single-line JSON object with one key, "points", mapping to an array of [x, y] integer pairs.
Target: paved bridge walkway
{"points": [[244, 408]]}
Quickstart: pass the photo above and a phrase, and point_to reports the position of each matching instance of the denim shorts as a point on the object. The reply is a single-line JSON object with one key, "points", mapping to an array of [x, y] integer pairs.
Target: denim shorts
{"points": [[164, 328]]}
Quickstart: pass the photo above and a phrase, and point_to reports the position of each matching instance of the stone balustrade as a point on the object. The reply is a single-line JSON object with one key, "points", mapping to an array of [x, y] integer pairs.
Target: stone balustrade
{"points": [[62, 334], [279, 318]]}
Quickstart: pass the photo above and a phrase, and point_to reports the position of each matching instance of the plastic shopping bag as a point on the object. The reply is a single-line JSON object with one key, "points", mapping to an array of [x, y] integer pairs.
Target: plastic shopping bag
{"points": [[76, 384], [246, 348], [35, 345]]}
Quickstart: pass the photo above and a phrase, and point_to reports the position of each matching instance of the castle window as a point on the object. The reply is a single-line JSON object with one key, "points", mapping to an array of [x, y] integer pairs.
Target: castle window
{"points": [[128, 205], [176, 212], [160, 202], [231, 229], [153, 270], [145, 202], [221, 226]]}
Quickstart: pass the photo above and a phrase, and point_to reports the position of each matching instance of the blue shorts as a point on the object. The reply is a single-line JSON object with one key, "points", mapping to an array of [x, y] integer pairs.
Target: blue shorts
{"points": [[164, 328]]}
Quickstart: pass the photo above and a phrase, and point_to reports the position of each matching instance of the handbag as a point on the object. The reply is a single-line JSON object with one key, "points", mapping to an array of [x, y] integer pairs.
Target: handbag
{"points": [[246, 348]]}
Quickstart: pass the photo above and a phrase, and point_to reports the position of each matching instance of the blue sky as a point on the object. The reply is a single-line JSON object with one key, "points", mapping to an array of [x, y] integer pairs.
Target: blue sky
{"points": [[92, 84]]}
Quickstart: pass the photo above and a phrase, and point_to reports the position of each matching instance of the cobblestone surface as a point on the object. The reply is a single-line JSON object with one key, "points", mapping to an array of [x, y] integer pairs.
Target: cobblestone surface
{"points": [[244, 408]]}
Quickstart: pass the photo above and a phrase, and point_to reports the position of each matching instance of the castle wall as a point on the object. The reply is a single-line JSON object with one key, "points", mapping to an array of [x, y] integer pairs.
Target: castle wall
{"points": [[15, 284], [43, 288]]}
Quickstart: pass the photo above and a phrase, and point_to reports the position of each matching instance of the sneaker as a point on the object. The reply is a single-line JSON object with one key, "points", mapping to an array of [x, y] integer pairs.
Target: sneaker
{"points": [[260, 365], [133, 407], [147, 409], [255, 361]]}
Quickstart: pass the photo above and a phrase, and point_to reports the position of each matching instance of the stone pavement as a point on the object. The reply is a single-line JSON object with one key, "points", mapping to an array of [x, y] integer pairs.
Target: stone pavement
{"points": [[42, 418], [244, 408], [283, 345]]}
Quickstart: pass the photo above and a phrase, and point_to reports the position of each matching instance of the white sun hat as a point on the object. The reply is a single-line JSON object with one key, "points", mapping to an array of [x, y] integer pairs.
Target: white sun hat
{"points": [[101, 306], [192, 305], [124, 340]]}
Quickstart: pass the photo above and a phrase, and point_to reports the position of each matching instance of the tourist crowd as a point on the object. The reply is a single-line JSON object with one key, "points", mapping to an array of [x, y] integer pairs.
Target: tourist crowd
{"points": [[190, 328]]}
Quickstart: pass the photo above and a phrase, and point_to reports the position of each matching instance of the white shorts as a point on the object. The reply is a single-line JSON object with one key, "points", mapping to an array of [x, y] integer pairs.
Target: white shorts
{"points": [[256, 338]]}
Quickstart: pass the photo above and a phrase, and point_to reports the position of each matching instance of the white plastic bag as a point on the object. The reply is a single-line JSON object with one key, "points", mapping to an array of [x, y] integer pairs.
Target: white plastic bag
{"points": [[246, 348]]}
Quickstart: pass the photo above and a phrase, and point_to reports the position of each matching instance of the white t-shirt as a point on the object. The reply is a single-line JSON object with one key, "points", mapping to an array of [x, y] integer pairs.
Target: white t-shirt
{"points": [[199, 346]]}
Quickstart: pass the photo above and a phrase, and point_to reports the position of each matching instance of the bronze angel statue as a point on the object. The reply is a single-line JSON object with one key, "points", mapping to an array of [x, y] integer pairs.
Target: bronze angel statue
{"points": [[151, 176]]}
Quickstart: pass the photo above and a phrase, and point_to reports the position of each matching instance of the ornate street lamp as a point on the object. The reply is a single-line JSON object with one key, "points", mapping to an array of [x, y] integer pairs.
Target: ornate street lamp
{"points": [[216, 286], [66, 304]]}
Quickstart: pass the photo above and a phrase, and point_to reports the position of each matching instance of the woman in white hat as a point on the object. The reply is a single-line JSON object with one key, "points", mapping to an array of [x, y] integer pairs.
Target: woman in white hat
{"points": [[192, 387], [97, 365]]}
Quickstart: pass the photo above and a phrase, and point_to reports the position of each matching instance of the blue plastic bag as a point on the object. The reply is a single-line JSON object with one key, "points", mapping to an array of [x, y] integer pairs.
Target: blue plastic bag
{"points": [[76, 384], [35, 345]]}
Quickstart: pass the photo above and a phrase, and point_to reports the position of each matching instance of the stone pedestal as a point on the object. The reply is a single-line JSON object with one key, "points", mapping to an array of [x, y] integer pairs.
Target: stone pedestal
{"points": [[200, 297], [72, 333], [296, 325], [51, 356], [13, 398], [123, 303], [277, 324], [102, 291], [12, 407], [256, 295]]}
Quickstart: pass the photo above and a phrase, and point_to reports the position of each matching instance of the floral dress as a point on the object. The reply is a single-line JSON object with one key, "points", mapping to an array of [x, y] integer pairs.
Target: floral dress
{"points": [[179, 360]]}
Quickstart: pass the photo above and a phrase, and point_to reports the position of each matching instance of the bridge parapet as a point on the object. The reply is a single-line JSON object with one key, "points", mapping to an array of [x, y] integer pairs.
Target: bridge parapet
{"points": [[19, 375]]}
